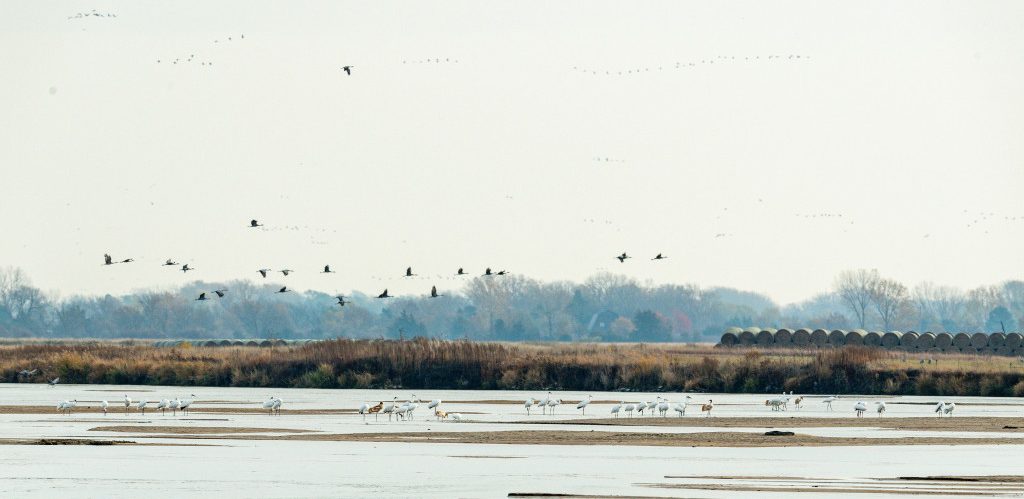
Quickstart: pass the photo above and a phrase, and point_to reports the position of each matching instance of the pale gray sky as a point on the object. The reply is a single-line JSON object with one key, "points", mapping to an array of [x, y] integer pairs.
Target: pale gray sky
{"points": [[905, 118]]}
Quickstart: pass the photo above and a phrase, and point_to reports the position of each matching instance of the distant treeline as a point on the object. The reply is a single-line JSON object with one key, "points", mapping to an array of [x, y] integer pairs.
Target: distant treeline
{"points": [[605, 307], [438, 364]]}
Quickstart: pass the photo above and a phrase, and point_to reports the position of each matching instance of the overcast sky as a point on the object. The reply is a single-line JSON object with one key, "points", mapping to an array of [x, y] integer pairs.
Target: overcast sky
{"points": [[901, 121]]}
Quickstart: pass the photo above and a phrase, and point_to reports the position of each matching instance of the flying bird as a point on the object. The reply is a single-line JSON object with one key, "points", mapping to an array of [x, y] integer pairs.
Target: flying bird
{"points": [[347, 70], [284, 289], [460, 272], [220, 292], [255, 223], [488, 272], [54, 381], [286, 271], [107, 260], [503, 272], [433, 292], [384, 294], [202, 297], [263, 272], [408, 272], [327, 270], [27, 373], [622, 258], [341, 301], [186, 268], [170, 263], [659, 257]]}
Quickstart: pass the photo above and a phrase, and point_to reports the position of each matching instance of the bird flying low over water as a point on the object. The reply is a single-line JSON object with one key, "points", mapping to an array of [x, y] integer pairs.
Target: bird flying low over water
{"points": [[263, 272], [622, 258], [433, 292], [284, 289], [255, 223], [170, 263], [347, 70], [327, 270], [54, 381], [384, 294], [26, 372], [659, 257]]}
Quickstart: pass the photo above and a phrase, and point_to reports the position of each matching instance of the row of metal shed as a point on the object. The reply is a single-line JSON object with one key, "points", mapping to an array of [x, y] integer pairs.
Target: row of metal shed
{"points": [[994, 343]]}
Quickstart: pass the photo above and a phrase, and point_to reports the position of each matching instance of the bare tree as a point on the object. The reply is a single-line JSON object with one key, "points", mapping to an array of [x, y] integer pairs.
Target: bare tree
{"points": [[855, 287], [891, 300]]}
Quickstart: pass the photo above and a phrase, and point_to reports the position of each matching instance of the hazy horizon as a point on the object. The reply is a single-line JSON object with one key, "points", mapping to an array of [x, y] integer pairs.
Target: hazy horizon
{"points": [[892, 142]]}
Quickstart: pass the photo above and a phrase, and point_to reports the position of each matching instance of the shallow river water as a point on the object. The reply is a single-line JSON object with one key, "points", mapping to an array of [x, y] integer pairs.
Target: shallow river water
{"points": [[273, 468]]}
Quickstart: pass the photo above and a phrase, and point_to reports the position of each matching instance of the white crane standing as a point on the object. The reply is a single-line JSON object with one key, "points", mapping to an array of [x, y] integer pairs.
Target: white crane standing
{"points": [[616, 408], [583, 404], [828, 401], [162, 406], [528, 403], [880, 408], [127, 403], [103, 405], [860, 408], [142, 406]]}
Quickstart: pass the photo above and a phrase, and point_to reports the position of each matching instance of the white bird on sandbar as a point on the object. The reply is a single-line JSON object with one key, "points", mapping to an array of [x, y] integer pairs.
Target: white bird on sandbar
{"points": [[142, 406], [860, 408], [828, 401], [583, 404], [880, 408], [103, 405], [434, 403], [162, 405], [528, 403], [616, 408]]}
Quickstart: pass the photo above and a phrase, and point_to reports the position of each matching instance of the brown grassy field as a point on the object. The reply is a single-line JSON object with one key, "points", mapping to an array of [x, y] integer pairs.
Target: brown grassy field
{"points": [[436, 364]]}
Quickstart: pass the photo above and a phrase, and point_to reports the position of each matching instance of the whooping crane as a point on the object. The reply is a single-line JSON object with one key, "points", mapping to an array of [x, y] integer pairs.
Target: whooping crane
{"points": [[376, 409], [617, 407], [277, 405], [707, 407], [455, 416], [544, 404], [663, 407], [142, 406], [390, 408], [860, 407], [828, 401], [103, 405], [269, 404], [127, 403], [528, 403], [162, 406], [363, 409], [629, 408], [554, 403], [948, 409], [681, 406], [939, 407], [174, 406], [434, 403], [185, 404], [583, 404], [880, 408]]}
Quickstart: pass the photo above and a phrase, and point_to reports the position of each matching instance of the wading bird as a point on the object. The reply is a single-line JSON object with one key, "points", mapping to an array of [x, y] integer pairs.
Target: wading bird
{"points": [[127, 403], [680, 408], [860, 408], [363, 409], [141, 406], [828, 401], [584, 403], [880, 408], [616, 408], [269, 405], [202, 297], [186, 404], [434, 403], [173, 405], [162, 406], [390, 408], [103, 405], [554, 403], [629, 408], [707, 408], [528, 403]]}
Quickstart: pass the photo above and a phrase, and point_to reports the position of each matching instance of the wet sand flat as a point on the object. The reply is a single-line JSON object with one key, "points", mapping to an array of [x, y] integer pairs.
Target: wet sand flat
{"points": [[955, 424], [528, 437], [195, 430]]}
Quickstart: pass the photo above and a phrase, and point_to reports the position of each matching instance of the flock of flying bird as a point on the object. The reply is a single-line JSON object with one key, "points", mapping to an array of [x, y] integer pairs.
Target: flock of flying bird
{"points": [[264, 272]]}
